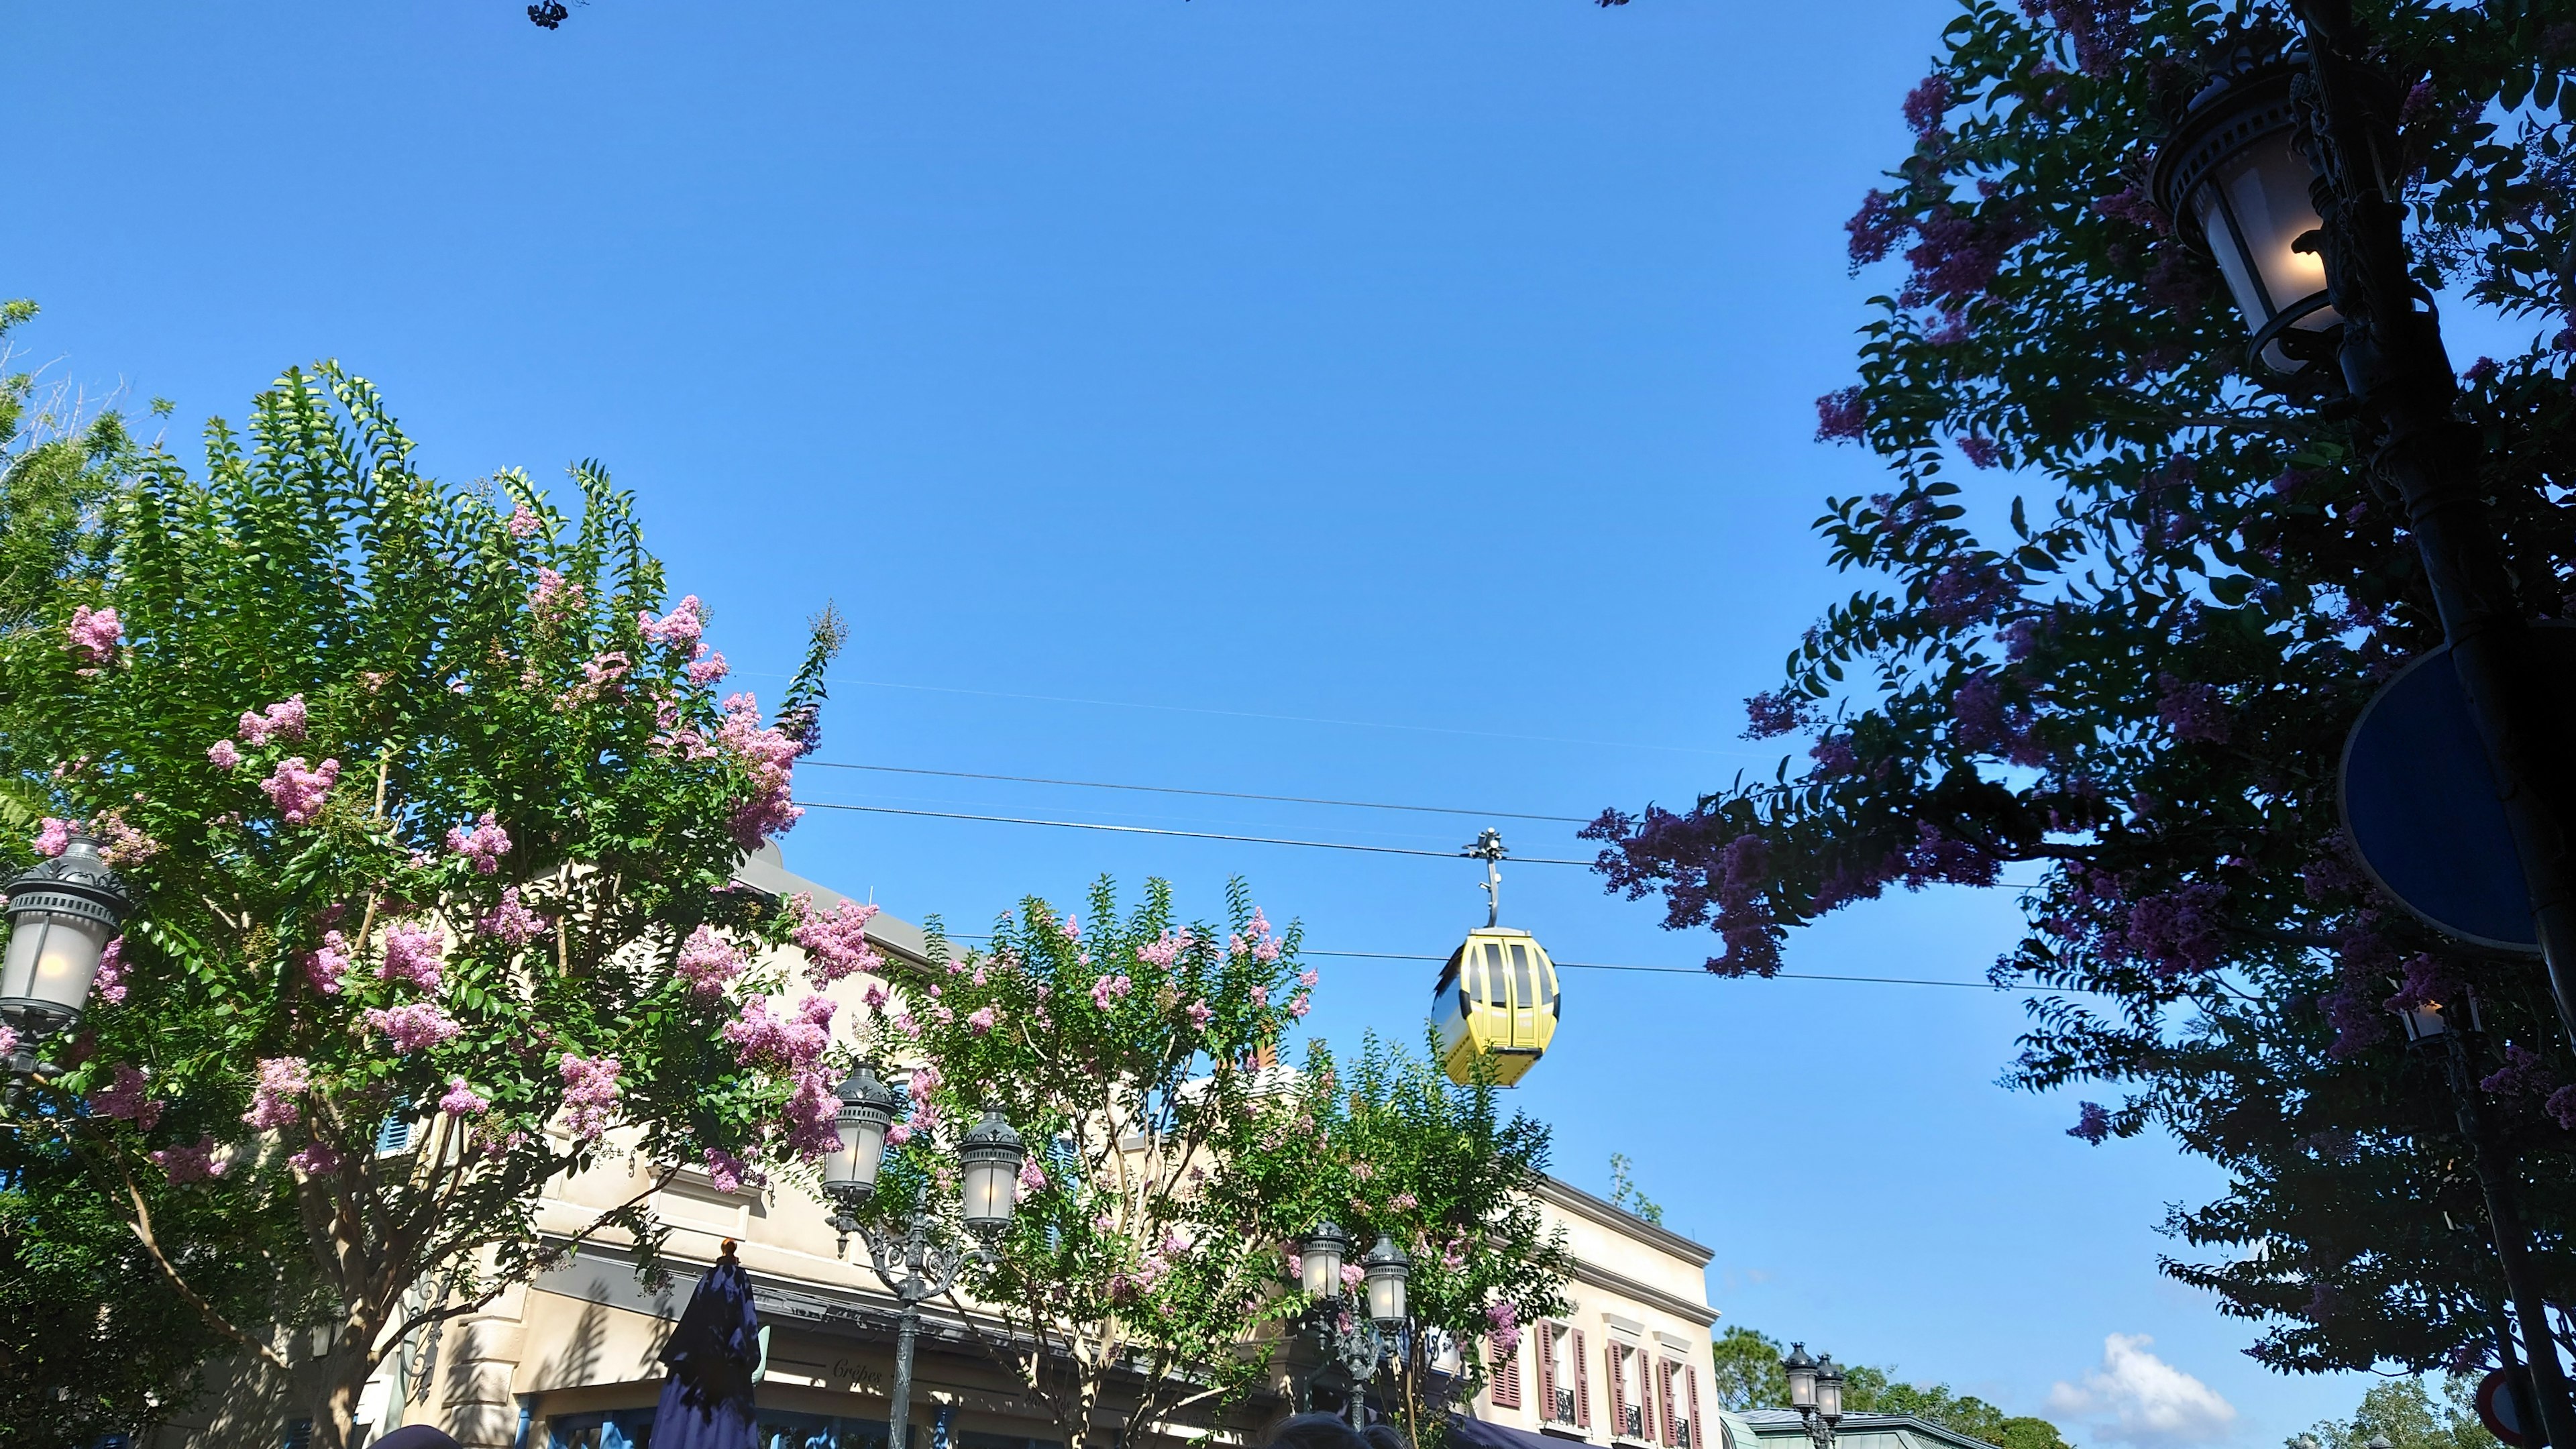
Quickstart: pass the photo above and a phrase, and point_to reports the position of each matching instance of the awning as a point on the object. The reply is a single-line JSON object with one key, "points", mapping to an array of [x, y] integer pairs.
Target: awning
{"points": [[1482, 1435]]}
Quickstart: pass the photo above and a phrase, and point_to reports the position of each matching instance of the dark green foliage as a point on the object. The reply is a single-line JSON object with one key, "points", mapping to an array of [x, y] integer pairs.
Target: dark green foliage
{"points": [[1747, 1376], [2127, 658]]}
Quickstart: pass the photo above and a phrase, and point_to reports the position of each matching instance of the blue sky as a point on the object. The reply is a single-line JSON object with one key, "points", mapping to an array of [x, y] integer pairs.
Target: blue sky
{"points": [[1387, 402]]}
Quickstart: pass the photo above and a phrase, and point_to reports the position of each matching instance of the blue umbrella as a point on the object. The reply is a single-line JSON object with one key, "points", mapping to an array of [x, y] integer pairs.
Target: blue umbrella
{"points": [[706, 1402]]}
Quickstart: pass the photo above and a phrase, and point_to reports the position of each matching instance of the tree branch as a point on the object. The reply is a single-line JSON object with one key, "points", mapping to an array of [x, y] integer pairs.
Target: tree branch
{"points": [[142, 1226]]}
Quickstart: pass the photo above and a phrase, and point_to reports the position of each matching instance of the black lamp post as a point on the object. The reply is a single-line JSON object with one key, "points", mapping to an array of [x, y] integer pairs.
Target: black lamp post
{"points": [[913, 1261], [1816, 1392], [2287, 166], [2452, 1029], [1377, 1314], [61, 916]]}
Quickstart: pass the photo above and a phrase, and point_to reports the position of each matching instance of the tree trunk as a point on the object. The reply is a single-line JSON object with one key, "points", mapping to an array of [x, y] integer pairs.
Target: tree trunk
{"points": [[340, 1377]]}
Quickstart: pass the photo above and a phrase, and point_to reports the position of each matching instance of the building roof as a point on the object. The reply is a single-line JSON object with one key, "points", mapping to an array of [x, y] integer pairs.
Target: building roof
{"points": [[1857, 1431], [765, 870], [1618, 1219]]}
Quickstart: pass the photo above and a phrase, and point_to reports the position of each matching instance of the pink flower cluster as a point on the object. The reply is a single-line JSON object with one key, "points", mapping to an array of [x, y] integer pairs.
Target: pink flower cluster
{"points": [[1263, 943], [728, 1171], [127, 1098], [781, 1043], [325, 967], [706, 666], [1032, 1177], [554, 597], [109, 984], [1506, 1320], [121, 843], [412, 954], [284, 720], [925, 1084], [707, 962], [1110, 988], [272, 1098], [461, 1100], [484, 845], [981, 1020], [315, 1160], [1165, 949], [510, 921], [836, 942], [224, 753], [812, 1114], [770, 758], [298, 792], [590, 1094], [523, 522], [53, 836], [189, 1162], [414, 1025], [1200, 1015], [94, 633], [678, 629]]}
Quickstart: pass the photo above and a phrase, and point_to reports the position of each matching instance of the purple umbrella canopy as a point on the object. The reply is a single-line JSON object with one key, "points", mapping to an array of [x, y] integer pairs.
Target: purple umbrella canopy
{"points": [[706, 1402]]}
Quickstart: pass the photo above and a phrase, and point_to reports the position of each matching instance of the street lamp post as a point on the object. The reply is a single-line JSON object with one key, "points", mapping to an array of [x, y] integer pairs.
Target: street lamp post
{"points": [[61, 916], [2448, 1028], [1376, 1316], [2288, 166], [914, 1261], [1816, 1392]]}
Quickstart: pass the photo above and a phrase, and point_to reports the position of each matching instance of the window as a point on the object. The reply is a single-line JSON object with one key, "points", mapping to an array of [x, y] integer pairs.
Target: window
{"points": [[1562, 1396], [1505, 1356], [1630, 1418]]}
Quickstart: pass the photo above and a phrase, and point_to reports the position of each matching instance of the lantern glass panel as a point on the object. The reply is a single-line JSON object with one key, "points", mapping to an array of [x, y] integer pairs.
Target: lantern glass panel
{"points": [[1829, 1395], [1386, 1292], [990, 1193], [2256, 211], [1802, 1387], [52, 958], [854, 1163], [1321, 1267]]}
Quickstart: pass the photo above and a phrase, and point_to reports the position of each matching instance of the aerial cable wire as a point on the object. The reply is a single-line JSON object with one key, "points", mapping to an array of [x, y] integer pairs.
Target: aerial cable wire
{"points": [[1217, 794], [1184, 834]]}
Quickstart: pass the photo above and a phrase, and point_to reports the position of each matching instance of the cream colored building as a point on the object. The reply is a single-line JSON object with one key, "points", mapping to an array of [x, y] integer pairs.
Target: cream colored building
{"points": [[571, 1360]]}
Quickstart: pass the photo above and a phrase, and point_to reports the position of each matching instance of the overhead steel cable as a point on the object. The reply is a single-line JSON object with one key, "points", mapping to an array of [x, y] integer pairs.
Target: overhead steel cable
{"points": [[1184, 834], [1215, 794]]}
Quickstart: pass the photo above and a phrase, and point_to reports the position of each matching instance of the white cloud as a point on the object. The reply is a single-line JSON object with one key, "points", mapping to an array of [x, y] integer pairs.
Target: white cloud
{"points": [[2139, 1399]]}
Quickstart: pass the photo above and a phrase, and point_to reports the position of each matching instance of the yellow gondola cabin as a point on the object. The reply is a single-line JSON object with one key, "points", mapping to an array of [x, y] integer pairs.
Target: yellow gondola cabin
{"points": [[1497, 996]]}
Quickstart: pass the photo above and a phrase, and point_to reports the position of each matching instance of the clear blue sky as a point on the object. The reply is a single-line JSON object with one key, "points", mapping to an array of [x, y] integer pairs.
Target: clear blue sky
{"points": [[1389, 402]]}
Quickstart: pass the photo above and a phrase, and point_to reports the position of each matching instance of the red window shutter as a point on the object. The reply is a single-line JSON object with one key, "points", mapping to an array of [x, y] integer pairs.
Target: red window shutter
{"points": [[1690, 1388], [1645, 1396], [1506, 1391], [1664, 1395], [1547, 1370], [1582, 1389], [1618, 1389]]}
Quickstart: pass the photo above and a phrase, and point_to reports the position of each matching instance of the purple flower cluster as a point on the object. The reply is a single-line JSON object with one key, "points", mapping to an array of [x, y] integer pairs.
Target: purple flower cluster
{"points": [[2103, 31], [412, 954], [707, 962], [284, 720], [2523, 1072], [1841, 417], [2132, 204], [189, 1162], [414, 1025], [1875, 229], [2092, 1123], [2192, 711], [484, 844], [769, 757], [461, 1100], [1958, 254], [510, 921], [298, 792], [836, 941], [1968, 591], [678, 629], [93, 634], [1986, 725], [2180, 932], [2176, 282], [591, 1094], [273, 1104], [109, 984], [1775, 713], [127, 1097], [1927, 103]]}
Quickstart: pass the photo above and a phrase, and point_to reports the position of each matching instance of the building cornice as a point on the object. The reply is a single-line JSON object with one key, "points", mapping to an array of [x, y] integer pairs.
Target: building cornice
{"points": [[1645, 1293], [1618, 1219]]}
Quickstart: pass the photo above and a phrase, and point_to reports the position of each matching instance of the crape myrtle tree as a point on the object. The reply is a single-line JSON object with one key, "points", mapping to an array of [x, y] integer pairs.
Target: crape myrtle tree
{"points": [[2122, 605], [430, 808], [1144, 1277], [1398, 1149], [93, 1341]]}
